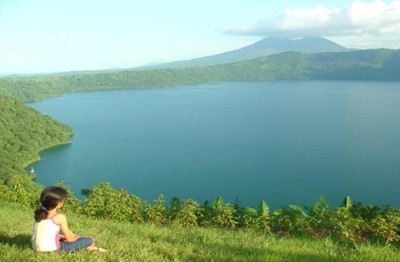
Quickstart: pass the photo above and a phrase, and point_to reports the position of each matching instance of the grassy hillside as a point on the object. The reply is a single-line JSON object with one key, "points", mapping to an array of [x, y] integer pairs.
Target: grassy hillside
{"points": [[139, 242], [380, 64]]}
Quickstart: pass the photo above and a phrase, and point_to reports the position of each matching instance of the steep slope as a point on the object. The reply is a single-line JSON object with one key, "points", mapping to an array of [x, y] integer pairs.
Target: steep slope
{"points": [[25, 132]]}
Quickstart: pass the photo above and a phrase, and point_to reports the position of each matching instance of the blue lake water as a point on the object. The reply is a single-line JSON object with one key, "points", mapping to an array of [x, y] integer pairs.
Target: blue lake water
{"points": [[283, 142]]}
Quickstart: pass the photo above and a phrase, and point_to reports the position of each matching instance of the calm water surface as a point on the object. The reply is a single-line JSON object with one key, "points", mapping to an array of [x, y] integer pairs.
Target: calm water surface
{"points": [[283, 142]]}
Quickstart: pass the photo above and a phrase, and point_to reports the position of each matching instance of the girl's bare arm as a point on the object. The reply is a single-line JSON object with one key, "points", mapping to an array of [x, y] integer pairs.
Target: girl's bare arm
{"points": [[61, 220]]}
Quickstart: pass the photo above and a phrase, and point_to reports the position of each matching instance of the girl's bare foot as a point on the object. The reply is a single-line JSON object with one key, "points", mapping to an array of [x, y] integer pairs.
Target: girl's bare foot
{"points": [[97, 249]]}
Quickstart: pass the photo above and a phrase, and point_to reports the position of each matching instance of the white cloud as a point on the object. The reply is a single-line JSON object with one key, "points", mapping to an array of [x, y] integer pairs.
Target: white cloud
{"points": [[360, 18]]}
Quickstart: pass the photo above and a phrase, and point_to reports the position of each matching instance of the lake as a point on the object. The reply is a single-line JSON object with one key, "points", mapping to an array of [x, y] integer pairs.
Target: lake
{"points": [[282, 142]]}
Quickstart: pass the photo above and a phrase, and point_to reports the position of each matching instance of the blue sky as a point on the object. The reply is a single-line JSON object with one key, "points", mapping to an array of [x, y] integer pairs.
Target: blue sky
{"points": [[64, 35]]}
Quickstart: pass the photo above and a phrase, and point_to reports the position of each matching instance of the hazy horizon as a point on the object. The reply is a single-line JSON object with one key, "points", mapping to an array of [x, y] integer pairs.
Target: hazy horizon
{"points": [[61, 36]]}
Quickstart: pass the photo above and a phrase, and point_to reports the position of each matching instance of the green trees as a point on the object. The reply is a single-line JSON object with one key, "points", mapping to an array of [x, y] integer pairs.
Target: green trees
{"points": [[380, 64], [25, 132], [105, 202], [189, 215]]}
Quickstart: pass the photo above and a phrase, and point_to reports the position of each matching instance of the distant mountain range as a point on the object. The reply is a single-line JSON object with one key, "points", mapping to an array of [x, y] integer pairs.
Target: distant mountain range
{"points": [[265, 47]]}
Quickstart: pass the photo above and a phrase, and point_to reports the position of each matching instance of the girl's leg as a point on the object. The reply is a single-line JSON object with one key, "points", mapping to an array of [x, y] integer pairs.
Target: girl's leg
{"points": [[79, 244]]}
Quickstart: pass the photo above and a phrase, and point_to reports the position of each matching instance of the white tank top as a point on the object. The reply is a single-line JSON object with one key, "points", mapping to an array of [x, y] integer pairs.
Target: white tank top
{"points": [[46, 235]]}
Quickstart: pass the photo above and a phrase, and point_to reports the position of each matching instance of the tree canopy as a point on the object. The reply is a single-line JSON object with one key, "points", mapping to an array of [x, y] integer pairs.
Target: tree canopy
{"points": [[365, 65], [24, 133]]}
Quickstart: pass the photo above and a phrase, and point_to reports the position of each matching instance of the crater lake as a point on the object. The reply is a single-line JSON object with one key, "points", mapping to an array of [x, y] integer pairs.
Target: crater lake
{"points": [[282, 142]]}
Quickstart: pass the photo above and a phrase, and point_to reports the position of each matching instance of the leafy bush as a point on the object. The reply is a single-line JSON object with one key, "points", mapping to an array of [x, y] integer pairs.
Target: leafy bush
{"points": [[3, 192], [18, 190], [189, 215], [263, 219], [223, 215], [157, 213], [380, 223], [345, 225], [103, 201], [206, 211], [289, 220], [249, 218], [386, 226], [321, 217], [174, 209]]}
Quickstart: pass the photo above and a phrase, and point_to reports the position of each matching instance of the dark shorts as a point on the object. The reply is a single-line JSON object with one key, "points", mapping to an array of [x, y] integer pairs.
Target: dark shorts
{"points": [[80, 243]]}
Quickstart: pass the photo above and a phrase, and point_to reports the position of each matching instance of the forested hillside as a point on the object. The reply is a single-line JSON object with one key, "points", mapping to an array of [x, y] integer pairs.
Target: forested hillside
{"points": [[25, 132], [38, 88], [369, 65], [380, 64]]}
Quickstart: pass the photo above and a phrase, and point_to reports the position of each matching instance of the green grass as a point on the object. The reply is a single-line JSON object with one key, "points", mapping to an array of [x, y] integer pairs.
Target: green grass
{"points": [[132, 242]]}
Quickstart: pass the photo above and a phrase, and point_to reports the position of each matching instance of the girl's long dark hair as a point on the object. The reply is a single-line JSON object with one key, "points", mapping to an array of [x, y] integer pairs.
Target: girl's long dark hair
{"points": [[49, 198]]}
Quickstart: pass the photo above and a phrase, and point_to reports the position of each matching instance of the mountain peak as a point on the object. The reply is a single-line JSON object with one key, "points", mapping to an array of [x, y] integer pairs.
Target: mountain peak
{"points": [[302, 45], [264, 47]]}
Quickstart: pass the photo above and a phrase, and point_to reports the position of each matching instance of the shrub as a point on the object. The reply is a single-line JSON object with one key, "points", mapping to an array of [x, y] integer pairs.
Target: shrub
{"points": [[20, 191], [157, 213], [320, 220], [3, 191], [249, 218], [174, 209], [136, 207], [103, 201], [206, 212], [189, 215], [223, 215], [386, 225], [263, 219], [289, 220], [345, 225]]}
